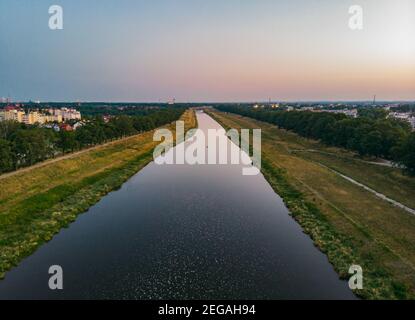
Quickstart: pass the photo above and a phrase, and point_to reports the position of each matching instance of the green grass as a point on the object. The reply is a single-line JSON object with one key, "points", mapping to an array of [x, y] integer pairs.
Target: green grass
{"points": [[348, 224], [389, 181]]}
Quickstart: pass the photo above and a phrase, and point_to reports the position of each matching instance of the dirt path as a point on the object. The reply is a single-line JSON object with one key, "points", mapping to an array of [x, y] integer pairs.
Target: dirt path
{"points": [[381, 162], [378, 194]]}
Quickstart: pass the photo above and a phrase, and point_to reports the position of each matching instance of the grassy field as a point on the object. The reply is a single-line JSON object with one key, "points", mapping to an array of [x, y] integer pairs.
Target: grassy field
{"points": [[389, 181], [36, 203], [349, 224]]}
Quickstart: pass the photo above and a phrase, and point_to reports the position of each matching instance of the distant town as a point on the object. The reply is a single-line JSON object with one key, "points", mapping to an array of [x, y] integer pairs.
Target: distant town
{"points": [[51, 117], [400, 111]]}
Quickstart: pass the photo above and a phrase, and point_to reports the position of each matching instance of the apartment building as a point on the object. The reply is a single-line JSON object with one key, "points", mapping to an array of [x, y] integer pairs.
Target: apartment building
{"points": [[33, 117]]}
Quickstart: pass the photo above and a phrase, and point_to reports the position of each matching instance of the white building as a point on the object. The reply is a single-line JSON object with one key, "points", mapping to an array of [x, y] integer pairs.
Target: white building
{"points": [[66, 113], [401, 115], [405, 116], [350, 113]]}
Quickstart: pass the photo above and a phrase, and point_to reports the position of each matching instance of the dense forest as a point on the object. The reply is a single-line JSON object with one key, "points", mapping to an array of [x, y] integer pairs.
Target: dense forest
{"points": [[371, 134], [24, 145]]}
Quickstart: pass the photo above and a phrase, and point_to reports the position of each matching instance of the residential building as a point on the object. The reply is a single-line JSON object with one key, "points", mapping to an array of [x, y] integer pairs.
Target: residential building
{"points": [[412, 122], [13, 114], [66, 113], [348, 112], [38, 116], [405, 116], [31, 118]]}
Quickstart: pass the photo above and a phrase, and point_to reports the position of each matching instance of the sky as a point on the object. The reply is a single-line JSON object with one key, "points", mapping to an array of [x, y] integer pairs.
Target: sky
{"points": [[207, 50]]}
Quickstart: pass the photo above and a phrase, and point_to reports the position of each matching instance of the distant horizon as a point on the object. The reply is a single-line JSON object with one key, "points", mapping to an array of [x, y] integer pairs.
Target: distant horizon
{"points": [[209, 102]]}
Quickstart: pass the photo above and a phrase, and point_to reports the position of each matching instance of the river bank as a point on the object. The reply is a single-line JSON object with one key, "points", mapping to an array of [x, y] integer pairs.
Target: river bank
{"points": [[347, 223], [35, 204]]}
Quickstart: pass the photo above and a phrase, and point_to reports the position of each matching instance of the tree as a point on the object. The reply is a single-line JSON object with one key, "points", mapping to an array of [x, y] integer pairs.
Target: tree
{"points": [[373, 113], [67, 141], [406, 154], [371, 144], [31, 146], [9, 128], [6, 156], [123, 126]]}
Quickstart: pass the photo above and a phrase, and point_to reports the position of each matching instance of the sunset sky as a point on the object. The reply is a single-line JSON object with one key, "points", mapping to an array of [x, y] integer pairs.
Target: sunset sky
{"points": [[207, 50]]}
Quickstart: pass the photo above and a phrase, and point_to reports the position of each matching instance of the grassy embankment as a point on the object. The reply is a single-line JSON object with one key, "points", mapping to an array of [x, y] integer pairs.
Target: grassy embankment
{"points": [[347, 223], [36, 203]]}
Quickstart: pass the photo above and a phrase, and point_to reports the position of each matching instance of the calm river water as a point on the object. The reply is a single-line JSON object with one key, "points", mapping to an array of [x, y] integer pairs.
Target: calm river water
{"points": [[182, 232]]}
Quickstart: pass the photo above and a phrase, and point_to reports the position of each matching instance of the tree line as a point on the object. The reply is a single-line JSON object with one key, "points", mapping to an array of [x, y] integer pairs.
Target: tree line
{"points": [[105, 108], [371, 134], [24, 145]]}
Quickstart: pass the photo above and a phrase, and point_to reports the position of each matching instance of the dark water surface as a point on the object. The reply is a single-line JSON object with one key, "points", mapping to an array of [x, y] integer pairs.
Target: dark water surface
{"points": [[185, 232]]}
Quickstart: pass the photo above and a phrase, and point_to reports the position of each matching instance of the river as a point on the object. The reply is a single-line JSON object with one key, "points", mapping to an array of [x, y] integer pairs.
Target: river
{"points": [[182, 232]]}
